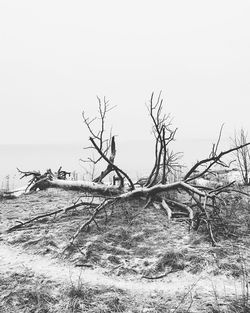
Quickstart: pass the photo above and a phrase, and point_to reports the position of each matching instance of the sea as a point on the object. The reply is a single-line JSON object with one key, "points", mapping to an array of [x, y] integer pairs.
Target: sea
{"points": [[136, 157], [72, 158]]}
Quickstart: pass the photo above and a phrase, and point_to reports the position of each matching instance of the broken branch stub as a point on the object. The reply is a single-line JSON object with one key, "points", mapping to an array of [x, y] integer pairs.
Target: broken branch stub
{"points": [[103, 144]]}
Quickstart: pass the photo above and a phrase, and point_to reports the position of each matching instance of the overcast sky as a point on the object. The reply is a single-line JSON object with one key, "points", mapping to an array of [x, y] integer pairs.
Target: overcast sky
{"points": [[56, 56]]}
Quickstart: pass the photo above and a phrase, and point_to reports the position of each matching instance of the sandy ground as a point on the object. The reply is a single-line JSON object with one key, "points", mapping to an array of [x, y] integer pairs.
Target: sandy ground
{"points": [[14, 260], [127, 244]]}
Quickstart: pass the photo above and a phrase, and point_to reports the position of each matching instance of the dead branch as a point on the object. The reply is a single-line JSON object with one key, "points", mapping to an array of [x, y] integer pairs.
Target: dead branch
{"points": [[184, 207], [102, 145], [161, 188], [167, 209], [109, 168], [242, 155], [38, 217], [208, 223], [149, 200], [203, 209], [62, 174], [209, 162], [97, 129], [87, 223], [221, 189], [35, 176], [160, 276], [112, 165], [38, 180], [165, 159]]}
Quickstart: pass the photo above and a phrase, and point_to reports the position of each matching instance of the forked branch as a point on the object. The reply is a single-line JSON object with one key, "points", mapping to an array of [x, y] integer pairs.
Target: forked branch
{"points": [[165, 159], [209, 162]]}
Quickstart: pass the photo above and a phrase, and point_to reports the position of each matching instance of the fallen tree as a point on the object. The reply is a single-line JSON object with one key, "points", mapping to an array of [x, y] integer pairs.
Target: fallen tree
{"points": [[39, 181], [196, 206]]}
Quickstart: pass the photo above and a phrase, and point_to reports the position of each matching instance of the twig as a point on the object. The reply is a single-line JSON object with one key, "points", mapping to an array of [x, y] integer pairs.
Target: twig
{"points": [[21, 224], [213, 159], [97, 210], [160, 276], [185, 295], [144, 207]]}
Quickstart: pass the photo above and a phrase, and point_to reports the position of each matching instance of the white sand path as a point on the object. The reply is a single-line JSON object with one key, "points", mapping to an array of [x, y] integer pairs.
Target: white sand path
{"points": [[13, 259]]}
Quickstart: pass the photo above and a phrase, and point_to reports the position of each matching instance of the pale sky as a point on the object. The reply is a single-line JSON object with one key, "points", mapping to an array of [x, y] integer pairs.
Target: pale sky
{"points": [[56, 56]]}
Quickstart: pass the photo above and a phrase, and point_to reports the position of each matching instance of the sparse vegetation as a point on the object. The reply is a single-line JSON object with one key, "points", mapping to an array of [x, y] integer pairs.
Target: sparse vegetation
{"points": [[140, 243], [162, 247]]}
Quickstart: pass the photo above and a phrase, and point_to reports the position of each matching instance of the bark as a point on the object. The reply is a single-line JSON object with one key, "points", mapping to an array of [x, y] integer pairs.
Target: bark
{"points": [[110, 168], [167, 209], [161, 188], [83, 186]]}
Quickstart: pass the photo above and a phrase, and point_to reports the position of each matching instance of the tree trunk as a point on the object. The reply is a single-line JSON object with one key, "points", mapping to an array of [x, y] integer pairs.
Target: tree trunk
{"points": [[83, 186]]}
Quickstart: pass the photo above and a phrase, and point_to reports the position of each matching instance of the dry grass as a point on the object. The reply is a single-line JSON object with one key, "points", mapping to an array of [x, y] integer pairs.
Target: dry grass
{"points": [[129, 242], [29, 293], [126, 239], [25, 293]]}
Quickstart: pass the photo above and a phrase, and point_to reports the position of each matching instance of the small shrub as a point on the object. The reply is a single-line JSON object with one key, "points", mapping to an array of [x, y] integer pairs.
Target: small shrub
{"points": [[172, 259], [230, 219]]}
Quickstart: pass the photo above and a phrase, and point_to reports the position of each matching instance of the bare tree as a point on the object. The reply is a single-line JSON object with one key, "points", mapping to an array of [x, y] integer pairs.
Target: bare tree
{"points": [[164, 134], [97, 129], [102, 145], [242, 154]]}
